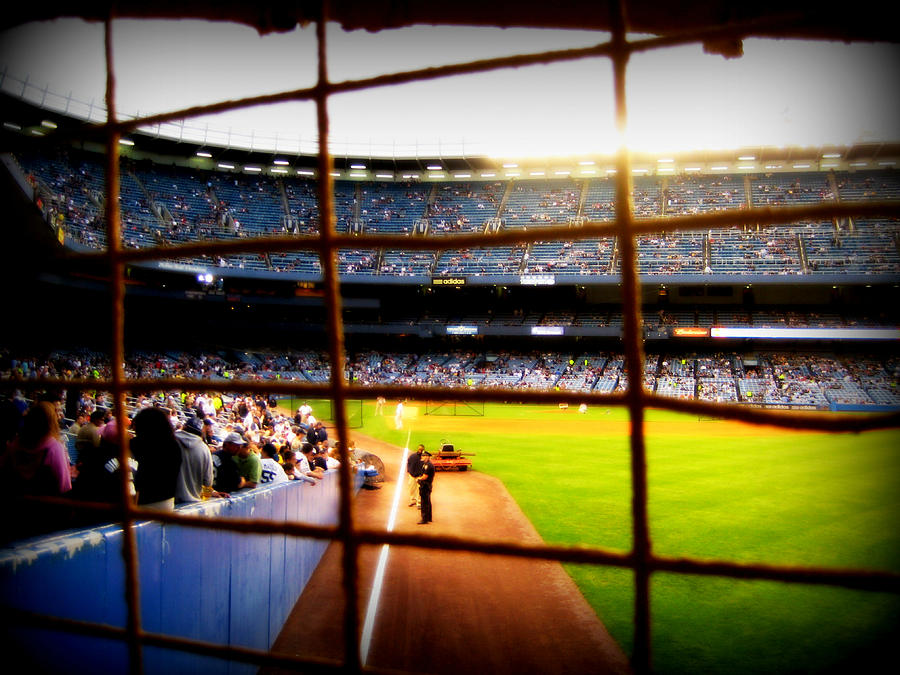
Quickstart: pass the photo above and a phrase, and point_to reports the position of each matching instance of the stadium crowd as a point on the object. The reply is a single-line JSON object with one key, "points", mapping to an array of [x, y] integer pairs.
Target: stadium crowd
{"points": [[168, 205], [183, 448], [761, 376], [212, 443]]}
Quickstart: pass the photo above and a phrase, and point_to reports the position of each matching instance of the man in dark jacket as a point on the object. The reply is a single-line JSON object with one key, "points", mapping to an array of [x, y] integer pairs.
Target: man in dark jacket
{"points": [[426, 482], [413, 471]]}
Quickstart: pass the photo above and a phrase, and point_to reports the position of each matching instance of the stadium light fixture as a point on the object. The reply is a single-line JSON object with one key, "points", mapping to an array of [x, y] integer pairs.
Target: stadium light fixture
{"points": [[588, 172], [665, 160], [462, 175], [126, 141], [48, 124], [831, 155], [334, 174], [384, 175], [357, 174], [747, 166], [222, 165], [692, 168], [305, 172], [536, 173], [253, 169], [859, 163], [510, 166], [747, 158], [37, 132], [278, 170], [281, 162], [587, 162], [12, 126], [887, 163], [801, 166], [561, 173], [773, 166], [434, 167], [512, 174], [829, 165], [357, 166], [204, 154], [489, 174], [719, 168]]}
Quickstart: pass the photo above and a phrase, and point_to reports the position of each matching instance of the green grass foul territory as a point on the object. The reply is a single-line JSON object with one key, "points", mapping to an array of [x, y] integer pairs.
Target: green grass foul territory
{"points": [[717, 490]]}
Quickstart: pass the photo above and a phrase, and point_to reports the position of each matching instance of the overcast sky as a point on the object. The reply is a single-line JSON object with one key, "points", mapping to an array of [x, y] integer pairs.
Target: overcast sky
{"points": [[778, 93]]}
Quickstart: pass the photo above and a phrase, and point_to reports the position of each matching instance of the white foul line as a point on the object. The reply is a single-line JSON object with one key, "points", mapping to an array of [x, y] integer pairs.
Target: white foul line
{"points": [[375, 595]]}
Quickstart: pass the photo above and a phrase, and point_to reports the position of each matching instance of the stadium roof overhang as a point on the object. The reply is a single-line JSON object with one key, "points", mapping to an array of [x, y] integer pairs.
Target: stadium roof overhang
{"points": [[806, 19], [171, 150], [797, 19]]}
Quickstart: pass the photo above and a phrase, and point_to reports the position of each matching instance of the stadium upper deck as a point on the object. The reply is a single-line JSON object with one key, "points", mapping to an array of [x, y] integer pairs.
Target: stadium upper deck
{"points": [[170, 205]]}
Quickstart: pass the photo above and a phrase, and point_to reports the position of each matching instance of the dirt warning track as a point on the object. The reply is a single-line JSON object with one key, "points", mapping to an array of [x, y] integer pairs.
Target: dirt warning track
{"points": [[448, 612]]}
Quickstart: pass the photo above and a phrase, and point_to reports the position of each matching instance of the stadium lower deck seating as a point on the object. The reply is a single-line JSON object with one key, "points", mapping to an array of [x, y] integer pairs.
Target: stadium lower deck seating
{"points": [[768, 377]]}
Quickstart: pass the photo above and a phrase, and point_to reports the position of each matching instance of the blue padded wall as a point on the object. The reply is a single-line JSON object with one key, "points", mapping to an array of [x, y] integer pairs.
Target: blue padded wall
{"points": [[218, 587]]}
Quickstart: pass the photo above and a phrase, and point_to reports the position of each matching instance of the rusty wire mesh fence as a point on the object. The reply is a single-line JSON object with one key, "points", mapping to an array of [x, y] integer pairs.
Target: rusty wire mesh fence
{"points": [[641, 559]]}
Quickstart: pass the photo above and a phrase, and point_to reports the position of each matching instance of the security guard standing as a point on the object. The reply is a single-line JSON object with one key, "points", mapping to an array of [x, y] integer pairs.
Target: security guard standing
{"points": [[426, 481], [413, 471]]}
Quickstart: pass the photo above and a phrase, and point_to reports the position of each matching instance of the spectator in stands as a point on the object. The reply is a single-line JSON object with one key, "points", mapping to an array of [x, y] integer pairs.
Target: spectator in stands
{"points": [[249, 464], [292, 468], [306, 465], [317, 434], [228, 476], [333, 456], [320, 455], [99, 478], [35, 463], [209, 432], [271, 470], [159, 457], [88, 438], [10, 420], [80, 420], [196, 464], [289, 464]]}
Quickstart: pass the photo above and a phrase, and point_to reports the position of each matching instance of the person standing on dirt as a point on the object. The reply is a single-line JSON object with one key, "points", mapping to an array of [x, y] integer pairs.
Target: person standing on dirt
{"points": [[426, 481], [413, 471]]}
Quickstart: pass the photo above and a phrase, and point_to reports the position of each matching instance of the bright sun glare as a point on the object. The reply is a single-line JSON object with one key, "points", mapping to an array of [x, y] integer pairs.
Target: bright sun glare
{"points": [[779, 93]]}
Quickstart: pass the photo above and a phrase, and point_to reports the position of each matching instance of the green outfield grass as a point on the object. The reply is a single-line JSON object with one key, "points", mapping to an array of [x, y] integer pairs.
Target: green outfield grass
{"points": [[751, 494]]}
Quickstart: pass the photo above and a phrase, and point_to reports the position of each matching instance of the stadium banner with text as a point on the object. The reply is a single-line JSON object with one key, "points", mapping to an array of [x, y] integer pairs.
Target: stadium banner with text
{"points": [[805, 333], [690, 332], [547, 330], [785, 406], [462, 330], [448, 281], [537, 280]]}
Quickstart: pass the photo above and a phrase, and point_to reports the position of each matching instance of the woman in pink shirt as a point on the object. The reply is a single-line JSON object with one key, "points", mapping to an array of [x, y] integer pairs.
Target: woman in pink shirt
{"points": [[35, 463]]}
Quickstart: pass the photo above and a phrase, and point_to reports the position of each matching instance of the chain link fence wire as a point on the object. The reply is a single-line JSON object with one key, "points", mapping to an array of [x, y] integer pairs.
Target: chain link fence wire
{"points": [[641, 559]]}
